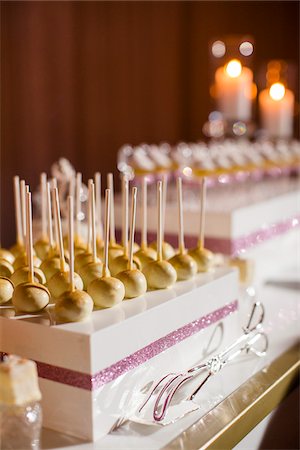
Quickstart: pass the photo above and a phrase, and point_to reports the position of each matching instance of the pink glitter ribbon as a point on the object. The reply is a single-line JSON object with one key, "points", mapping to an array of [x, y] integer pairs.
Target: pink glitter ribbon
{"points": [[111, 373]]}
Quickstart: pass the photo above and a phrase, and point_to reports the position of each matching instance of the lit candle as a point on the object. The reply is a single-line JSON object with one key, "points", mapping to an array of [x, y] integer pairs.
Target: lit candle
{"points": [[234, 91], [276, 111]]}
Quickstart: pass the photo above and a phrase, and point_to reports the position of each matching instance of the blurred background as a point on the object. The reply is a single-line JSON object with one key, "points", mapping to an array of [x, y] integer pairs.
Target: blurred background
{"points": [[80, 79]]}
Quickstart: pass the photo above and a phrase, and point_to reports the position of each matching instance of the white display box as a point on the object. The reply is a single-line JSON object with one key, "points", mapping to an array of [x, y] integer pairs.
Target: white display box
{"points": [[90, 371], [255, 220]]}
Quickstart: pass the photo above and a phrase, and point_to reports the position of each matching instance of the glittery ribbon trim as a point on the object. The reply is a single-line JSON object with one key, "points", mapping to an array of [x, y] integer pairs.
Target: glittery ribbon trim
{"points": [[236, 246], [111, 373]]}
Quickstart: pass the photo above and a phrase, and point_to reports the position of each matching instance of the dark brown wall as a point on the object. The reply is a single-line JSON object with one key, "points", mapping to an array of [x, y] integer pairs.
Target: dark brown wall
{"points": [[79, 79]]}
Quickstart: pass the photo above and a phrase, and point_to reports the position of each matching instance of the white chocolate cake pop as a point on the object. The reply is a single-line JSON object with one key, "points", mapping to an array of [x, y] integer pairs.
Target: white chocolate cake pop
{"points": [[183, 263], [160, 274], [73, 305], [19, 247], [6, 290], [120, 263], [133, 279], [167, 249], [21, 275], [30, 296], [106, 291], [60, 282], [6, 269], [42, 244], [6, 255], [93, 269], [145, 253], [203, 257]]}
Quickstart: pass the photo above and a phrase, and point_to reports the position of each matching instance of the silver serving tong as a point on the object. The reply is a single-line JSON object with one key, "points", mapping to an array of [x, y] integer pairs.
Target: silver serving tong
{"points": [[253, 340]]}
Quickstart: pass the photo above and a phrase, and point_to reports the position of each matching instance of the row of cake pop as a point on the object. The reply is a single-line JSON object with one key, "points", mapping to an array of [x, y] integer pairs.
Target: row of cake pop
{"points": [[157, 271], [237, 159]]}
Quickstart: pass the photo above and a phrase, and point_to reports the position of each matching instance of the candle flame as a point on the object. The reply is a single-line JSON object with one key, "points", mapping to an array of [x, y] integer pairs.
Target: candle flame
{"points": [[234, 68], [277, 91]]}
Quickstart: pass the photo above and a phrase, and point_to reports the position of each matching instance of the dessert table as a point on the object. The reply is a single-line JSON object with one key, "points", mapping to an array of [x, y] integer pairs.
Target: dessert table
{"points": [[234, 401]]}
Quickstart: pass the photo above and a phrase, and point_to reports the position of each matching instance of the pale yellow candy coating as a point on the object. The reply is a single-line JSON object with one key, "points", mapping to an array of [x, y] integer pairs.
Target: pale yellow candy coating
{"points": [[21, 261], [51, 266], [120, 263], [146, 255], [6, 290], [160, 274], [89, 272], [134, 282], [136, 247], [21, 276], [6, 269], [7, 255], [204, 258], [74, 306], [167, 250], [59, 283], [106, 291], [185, 266], [17, 250], [42, 248], [30, 297], [82, 259]]}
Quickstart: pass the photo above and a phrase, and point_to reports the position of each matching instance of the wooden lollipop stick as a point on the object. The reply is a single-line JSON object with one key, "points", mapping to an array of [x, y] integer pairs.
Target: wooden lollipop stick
{"points": [[164, 203], [78, 204], [181, 245], [18, 213], [89, 216], [202, 213], [106, 232], [71, 242], [110, 185], [144, 214], [26, 190], [49, 217], [29, 237], [98, 205], [72, 186], [93, 220], [43, 184], [125, 215], [55, 201], [23, 207], [132, 227], [159, 221]]}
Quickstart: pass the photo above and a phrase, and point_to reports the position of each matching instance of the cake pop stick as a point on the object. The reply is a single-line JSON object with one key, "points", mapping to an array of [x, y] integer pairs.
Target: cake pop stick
{"points": [[110, 185], [51, 265], [23, 207], [31, 296], [58, 228], [133, 279], [73, 305], [58, 284], [159, 274], [99, 225], [120, 263], [106, 291], [203, 257], [22, 260], [42, 245], [78, 242], [18, 215], [93, 267], [145, 254], [167, 249], [184, 264]]}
